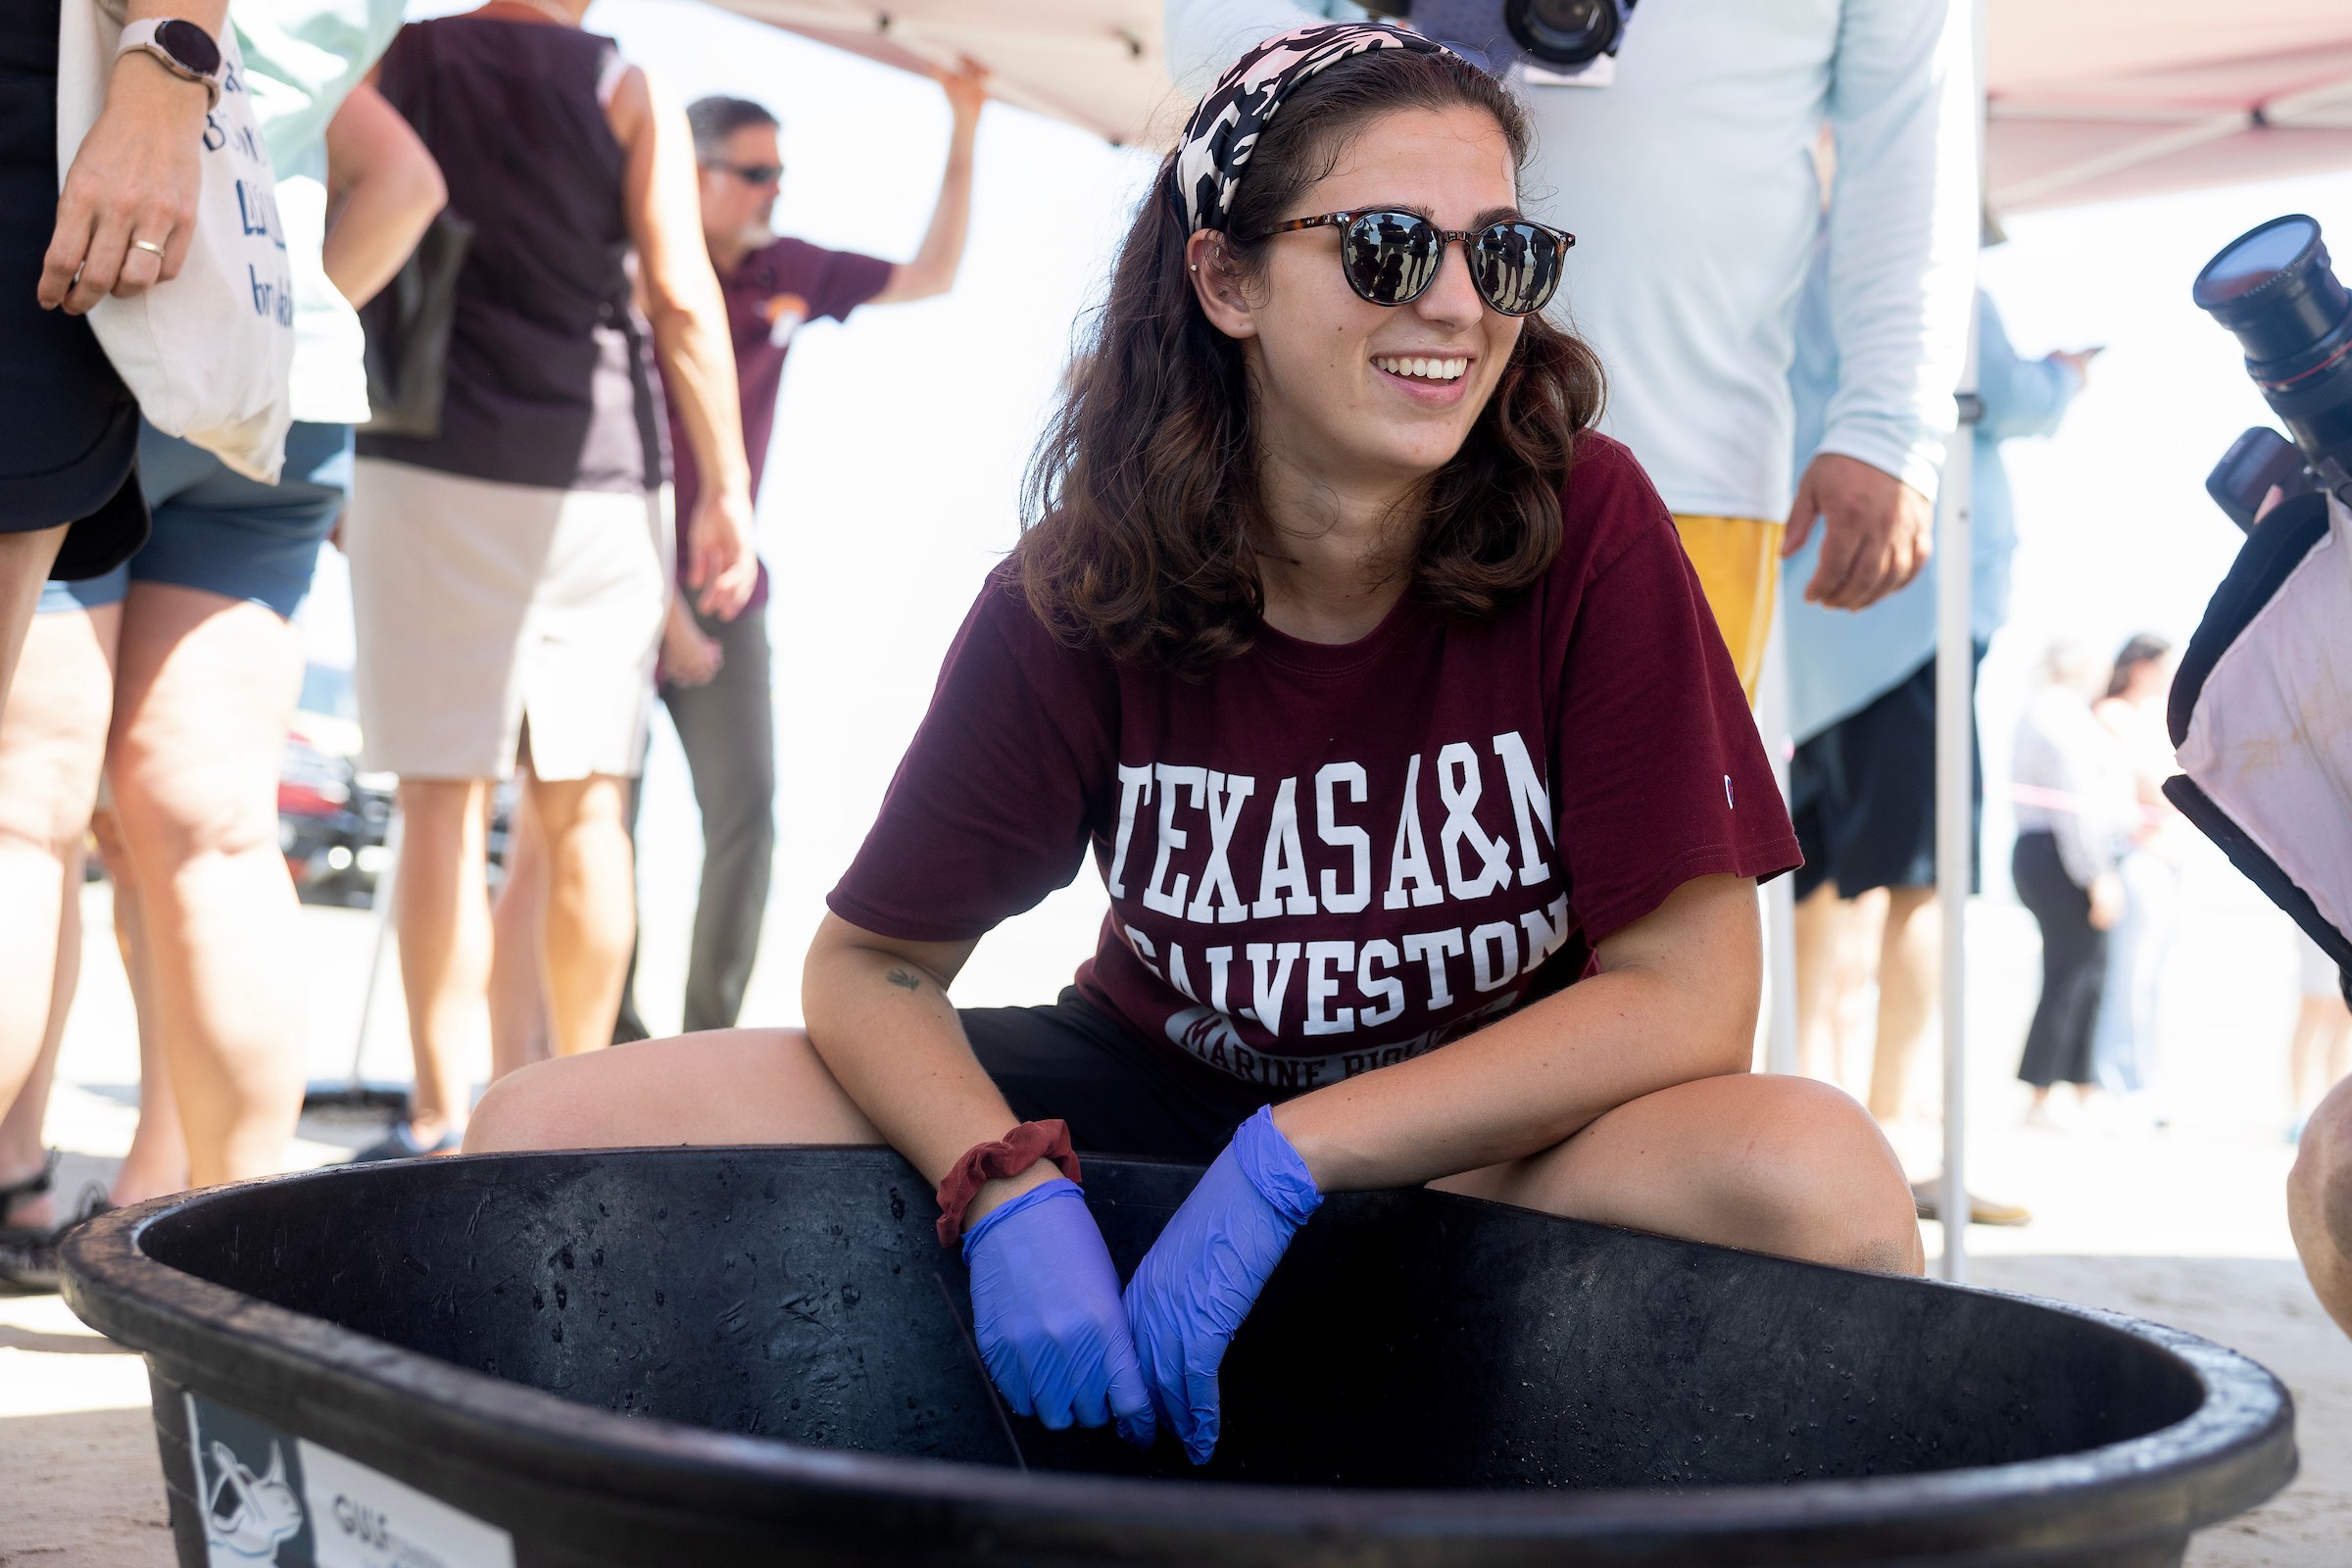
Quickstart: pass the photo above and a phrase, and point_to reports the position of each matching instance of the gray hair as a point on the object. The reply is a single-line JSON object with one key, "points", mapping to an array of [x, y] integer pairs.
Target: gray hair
{"points": [[715, 118]]}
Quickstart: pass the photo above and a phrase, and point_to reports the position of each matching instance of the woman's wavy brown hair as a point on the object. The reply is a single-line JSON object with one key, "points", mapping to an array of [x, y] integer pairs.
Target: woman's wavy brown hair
{"points": [[1141, 515]]}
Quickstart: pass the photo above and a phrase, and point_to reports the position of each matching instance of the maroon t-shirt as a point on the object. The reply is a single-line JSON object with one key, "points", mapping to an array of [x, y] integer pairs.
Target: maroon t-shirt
{"points": [[1325, 858], [777, 288]]}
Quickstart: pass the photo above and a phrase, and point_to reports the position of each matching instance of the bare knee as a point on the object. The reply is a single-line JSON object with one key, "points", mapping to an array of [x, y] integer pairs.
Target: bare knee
{"points": [[1815, 1179], [2318, 1203], [174, 815]]}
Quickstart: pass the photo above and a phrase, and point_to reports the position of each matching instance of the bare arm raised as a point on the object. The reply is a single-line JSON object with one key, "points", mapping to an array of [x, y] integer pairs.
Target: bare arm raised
{"points": [[933, 270]]}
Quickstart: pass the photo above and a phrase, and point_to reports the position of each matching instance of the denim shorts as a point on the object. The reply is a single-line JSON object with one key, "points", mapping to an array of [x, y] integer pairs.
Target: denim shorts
{"points": [[217, 530]]}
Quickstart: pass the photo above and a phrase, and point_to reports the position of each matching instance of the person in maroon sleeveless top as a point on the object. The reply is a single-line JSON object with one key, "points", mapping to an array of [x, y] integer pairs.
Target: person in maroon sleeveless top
{"points": [[1379, 687], [510, 570]]}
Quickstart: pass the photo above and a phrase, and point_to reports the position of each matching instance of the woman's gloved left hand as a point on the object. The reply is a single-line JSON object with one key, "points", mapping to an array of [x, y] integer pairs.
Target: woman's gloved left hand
{"points": [[1201, 1277]]}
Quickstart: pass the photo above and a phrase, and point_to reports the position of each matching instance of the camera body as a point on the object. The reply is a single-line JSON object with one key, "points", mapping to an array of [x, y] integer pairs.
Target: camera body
{"points": [[2273, 290], [1553, 41]]}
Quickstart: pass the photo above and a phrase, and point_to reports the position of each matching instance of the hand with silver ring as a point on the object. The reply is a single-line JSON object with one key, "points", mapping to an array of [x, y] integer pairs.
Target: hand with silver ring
{"points": [[137, 172]]}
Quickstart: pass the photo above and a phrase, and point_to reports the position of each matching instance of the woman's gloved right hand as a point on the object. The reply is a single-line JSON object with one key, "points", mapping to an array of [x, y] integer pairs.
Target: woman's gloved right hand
{"points": [[1047, 1310]]}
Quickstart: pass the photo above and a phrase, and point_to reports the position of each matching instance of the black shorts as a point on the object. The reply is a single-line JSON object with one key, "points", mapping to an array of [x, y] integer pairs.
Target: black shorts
{"points": [[1862, 793], [69, 428], [1118, 1094]]}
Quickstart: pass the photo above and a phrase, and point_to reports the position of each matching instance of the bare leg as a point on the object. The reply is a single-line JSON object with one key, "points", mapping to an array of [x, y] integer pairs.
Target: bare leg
{"points": [[728, 1086], [25, 562], [2319, 1204], [1909, 957], [443, 912], [1774, 1164], [21, 1148], [2316, 1060], [1821, 922], [52, 742], [158, 1160], [591, 906], [518, 979], [206, 692]]}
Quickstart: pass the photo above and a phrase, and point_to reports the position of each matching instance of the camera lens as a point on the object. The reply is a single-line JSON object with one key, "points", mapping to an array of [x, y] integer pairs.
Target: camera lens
{"points": [[1564, 32], [2272, 288]]}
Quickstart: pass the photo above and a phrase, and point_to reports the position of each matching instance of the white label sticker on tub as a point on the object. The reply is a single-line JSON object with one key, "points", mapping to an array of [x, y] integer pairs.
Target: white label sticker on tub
{"points": [[271, 1498], [362, 1518]]}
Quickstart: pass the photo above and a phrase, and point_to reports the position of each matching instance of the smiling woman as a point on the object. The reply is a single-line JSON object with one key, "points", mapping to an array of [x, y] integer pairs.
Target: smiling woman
{"points": [[1426, 796], [1148, 533]]}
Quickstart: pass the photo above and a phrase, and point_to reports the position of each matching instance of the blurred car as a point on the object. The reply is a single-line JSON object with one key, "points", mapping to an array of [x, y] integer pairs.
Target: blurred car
{"points": [[332, 817]]}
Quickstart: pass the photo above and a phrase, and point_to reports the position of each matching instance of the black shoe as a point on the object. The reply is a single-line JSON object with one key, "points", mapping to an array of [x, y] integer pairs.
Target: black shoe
{"points": [[401, 1144], [29, 1255]]}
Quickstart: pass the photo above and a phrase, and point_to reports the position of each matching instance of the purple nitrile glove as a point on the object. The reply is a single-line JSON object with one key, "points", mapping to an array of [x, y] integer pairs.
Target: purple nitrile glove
{"points": [[1045, 1310], [1201, 1277]]}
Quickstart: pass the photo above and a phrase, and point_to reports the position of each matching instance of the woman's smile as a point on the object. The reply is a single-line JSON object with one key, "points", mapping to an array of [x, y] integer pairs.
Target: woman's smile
{"points": [[1431, 380]]}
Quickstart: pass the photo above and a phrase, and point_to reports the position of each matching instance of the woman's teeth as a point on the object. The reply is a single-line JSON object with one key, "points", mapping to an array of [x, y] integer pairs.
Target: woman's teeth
{"points": [[1422, 370]]}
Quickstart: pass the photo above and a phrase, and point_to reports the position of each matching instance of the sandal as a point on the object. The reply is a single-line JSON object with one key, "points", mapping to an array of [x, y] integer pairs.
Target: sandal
{"points": [[401, 1144], [29, 1255], [32, 1186]]}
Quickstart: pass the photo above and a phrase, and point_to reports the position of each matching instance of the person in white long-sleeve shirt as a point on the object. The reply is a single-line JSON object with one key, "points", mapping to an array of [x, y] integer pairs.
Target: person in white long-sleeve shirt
{"points": [[1690, 188]]}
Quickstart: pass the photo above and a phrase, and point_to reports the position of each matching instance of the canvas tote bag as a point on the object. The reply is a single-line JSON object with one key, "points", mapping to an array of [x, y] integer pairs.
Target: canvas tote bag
{"points": [[208, 352]]}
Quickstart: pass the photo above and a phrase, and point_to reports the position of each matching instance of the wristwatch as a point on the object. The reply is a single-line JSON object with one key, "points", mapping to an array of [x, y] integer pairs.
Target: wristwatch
{"points": [[180, 47]]}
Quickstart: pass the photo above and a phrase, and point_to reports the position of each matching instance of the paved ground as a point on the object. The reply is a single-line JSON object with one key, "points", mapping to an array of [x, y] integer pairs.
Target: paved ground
{"points": [[2183, 1225]]}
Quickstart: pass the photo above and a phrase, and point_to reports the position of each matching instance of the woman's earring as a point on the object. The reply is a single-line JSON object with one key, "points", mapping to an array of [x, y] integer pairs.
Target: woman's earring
{"points": [[1196, 266]]}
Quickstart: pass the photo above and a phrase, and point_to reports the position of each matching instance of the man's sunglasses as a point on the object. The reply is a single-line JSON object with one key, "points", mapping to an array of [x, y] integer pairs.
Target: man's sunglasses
{"points": [[1391, 257], [751, 173]]}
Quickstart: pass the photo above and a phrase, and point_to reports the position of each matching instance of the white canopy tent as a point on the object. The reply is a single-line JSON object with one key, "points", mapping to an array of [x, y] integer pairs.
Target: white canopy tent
{"points": [[2084, 101], [2087, 100]]}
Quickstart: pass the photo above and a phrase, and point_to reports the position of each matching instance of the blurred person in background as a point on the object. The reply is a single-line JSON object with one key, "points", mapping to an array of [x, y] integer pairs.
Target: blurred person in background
{"points": [[118, 223], [2320, 1055], [2125, 1047], [1688, 183], [178, 669], [1862, 711], [510, 574], [2075, 809], [716, 675]]}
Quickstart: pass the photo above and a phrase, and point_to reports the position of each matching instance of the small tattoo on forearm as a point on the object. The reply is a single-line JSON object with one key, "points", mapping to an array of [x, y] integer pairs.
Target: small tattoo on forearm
{"points": [[904, 981]]}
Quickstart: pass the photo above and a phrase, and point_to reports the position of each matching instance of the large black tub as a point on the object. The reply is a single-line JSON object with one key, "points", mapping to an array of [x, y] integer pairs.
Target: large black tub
{"points": [[759, 1355]]}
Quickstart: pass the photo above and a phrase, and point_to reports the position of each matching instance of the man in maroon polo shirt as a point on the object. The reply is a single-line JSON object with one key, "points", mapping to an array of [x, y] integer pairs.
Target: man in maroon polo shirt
{"points": [[715, 673]]}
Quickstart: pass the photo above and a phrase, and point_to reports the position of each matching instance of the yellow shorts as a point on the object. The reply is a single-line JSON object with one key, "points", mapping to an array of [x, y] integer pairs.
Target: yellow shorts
{"points": [[1738, 564]]}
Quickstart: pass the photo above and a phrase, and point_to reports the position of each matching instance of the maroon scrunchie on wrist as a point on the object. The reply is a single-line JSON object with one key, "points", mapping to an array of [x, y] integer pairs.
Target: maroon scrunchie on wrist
{"points": [[1009, 1156]]}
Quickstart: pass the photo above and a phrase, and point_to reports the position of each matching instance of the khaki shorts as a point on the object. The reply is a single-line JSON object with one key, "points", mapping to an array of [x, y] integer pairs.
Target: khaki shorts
{"points": [[479, 605]]}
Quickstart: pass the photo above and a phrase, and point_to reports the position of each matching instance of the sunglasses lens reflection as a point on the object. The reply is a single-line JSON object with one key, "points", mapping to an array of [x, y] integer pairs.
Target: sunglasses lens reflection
{"points": [[1392, 257], [1516, 267]]}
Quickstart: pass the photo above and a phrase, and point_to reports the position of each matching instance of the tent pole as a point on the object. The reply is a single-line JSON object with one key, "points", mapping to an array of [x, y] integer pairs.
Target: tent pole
{"points": [[1955, 848], [1955, 735]]}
